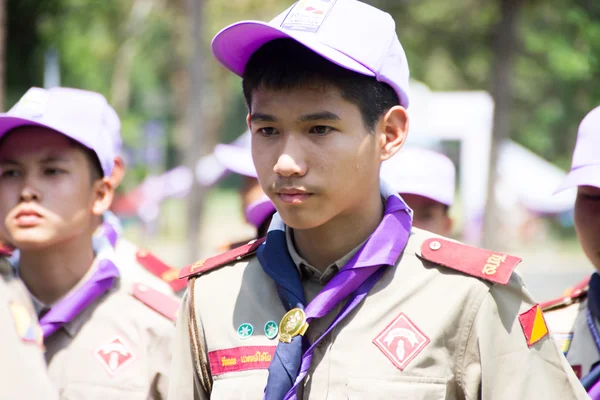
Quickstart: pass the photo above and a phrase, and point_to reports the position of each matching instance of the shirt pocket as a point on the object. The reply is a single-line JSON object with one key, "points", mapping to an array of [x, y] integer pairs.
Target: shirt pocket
{"points": [[92, 391], [400, 388], [247, 385]]}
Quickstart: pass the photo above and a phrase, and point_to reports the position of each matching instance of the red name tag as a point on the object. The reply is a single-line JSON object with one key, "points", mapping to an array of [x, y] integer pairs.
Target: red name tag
{"points": [[240, 359]]}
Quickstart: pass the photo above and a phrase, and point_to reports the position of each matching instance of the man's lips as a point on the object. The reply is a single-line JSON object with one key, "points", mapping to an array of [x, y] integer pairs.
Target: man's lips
{"points": [[27, 218], [293, 196]]}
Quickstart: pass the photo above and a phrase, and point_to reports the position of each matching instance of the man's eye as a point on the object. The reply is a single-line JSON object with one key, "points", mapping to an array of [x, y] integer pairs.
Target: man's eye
{"points": [[53, 171], [267, 131], [320, 130], [9, 173]]}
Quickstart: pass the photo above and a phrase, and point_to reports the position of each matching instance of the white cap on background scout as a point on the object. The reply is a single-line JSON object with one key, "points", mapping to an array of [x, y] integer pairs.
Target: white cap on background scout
{"points": [[422, 172], [585, 168], [86, 117]]}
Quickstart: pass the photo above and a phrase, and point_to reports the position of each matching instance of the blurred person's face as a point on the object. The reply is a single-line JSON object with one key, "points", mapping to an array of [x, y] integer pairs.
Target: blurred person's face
{"points": [[47, 191], [314, 156], [429, 214], [587, 222]]}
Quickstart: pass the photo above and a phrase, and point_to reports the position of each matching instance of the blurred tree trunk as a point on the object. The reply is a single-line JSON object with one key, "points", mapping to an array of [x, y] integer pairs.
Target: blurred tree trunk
{"points": [[2, 53], [196, 131], [504, 46]]}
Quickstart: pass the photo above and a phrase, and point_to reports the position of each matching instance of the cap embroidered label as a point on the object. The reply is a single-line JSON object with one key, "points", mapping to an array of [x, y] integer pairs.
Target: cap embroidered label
{"points": [[307, 15], [33, 104], [533, 324], [240, 359], [115, 355], [401, 341]]}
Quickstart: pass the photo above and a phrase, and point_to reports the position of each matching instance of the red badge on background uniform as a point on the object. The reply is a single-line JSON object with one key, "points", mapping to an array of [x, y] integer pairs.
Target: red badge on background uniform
{"points": [[577, 370], [115, 355], [533, 324], [401, 341], [240, 359]]}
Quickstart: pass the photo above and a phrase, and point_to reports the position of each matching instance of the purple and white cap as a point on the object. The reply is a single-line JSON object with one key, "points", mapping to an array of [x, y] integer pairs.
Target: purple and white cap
{"points": [[422, 172], [349, 33], [86, 117], [585, 168]]}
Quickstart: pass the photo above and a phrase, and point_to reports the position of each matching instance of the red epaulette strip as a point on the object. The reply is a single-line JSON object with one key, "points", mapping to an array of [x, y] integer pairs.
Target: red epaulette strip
{"points": [[237, 254], [160, 269], [484, 264], [160, 302]]}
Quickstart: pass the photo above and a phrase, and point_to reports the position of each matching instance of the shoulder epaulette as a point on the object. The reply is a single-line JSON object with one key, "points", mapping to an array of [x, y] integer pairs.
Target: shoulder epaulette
{"points": [[160, 302], [570, 296], [159, 269], [5, 250], [484, 264], [237, 254]]}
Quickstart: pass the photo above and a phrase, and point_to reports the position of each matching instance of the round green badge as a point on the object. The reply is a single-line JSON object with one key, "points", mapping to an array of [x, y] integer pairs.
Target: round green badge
{"points": [[245, 330], [271, 330]]}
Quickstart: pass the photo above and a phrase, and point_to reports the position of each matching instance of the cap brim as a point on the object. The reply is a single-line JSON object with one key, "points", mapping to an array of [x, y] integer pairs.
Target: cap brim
{"points": [[235, 44], [588, 175], [8, 124], [235, 159], [259, 211]]}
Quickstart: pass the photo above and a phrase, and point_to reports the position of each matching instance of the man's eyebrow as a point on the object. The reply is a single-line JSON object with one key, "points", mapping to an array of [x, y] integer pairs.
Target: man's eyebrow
{"points": [[260, 117], [54, 158], [320, 116], [7, 161]]}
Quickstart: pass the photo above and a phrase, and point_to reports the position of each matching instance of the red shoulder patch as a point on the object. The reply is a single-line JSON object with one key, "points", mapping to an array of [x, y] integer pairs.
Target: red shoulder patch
{"points": [[485, 264], [572, 295], [6, 250], [159, 269], [202, 266], [160, 302]]}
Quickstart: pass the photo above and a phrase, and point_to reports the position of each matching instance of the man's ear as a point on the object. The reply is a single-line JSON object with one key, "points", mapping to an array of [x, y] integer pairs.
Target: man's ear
{"points": [[392, 131], [118, 172], [102, 195]]}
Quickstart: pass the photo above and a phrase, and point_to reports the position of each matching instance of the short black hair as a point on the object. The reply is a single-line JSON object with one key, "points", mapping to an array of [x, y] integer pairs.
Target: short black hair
{"points": [[284, 64]]}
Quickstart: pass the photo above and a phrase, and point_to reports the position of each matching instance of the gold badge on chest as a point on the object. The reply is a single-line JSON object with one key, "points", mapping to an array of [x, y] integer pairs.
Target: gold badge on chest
{"points": [[292, 324]]}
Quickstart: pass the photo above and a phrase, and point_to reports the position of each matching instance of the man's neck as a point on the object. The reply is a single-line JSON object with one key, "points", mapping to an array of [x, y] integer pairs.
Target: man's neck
{"points": [[324, 245], [51, 273]]}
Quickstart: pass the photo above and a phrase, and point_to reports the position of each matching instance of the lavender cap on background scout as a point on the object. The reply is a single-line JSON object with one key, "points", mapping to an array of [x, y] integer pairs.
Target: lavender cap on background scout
{"points": [[349, 33], [585, 168], [422, 172], [237, 158], [86, 117]]}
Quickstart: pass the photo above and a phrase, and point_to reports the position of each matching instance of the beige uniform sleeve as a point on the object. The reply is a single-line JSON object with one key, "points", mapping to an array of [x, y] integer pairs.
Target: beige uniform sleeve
{"points": [[22, 367], [499, 364], [184, 384]]}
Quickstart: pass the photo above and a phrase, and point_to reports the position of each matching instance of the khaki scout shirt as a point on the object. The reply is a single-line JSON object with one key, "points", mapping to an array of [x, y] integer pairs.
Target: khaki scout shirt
{"points": [[117, 348], [456, 337], [23, 372], [569, 328]]}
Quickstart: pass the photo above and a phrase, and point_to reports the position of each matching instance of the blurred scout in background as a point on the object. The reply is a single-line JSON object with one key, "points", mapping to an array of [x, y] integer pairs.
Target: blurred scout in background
{"points": [[425, 180], [105, 337]]}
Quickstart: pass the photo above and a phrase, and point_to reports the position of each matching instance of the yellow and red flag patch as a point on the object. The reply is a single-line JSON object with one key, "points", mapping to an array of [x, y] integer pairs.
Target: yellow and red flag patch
{"points": [[533, 324], [26, 324]]}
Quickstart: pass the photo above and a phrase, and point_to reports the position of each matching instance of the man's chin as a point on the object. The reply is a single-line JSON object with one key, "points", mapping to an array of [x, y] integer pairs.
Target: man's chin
{"points": [[31, 241], [301, 219]]}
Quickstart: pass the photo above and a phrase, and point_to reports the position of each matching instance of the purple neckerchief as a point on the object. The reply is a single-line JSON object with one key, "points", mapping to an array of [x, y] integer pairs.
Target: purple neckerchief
{"points": [[594, 392], [110, 233], [353, 281], [68, 308]]}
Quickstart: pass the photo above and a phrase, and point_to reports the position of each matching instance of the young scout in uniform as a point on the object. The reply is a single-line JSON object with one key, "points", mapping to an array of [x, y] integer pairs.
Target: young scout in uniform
{"points": [[573, 319], [425, 180], [104, 338], [370, 308], [22, 366], [142, 266]]}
